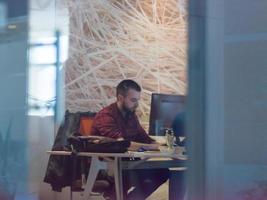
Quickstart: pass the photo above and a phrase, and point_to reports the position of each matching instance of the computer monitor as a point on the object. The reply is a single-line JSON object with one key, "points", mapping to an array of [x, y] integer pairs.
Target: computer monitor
{"points": [[164, 109]]}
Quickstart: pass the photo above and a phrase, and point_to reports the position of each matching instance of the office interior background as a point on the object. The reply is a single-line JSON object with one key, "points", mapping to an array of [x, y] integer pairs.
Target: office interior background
{"points": [[212, 51]]}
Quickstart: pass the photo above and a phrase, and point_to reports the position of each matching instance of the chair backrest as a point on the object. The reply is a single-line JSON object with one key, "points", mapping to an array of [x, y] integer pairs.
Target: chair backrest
{"points": [[86, 122]]}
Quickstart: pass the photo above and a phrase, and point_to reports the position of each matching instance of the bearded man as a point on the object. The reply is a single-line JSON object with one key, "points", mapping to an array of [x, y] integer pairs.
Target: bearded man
{"points": [[119, 121]]}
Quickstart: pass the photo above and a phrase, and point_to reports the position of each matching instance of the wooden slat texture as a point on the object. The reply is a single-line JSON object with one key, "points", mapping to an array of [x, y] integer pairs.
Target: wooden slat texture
{"points": [[110, 40]]}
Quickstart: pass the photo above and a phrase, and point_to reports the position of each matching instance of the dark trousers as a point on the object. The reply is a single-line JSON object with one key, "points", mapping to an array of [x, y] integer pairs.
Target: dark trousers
{"points": [[138, 184], [146, 181]]}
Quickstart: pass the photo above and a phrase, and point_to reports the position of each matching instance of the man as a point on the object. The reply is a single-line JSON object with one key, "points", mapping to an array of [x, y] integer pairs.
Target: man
{"points": [[119, 121]]}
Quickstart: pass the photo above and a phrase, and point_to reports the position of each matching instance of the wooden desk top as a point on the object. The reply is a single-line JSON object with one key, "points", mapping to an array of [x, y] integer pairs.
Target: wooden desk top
{"points": [[129, 154]]}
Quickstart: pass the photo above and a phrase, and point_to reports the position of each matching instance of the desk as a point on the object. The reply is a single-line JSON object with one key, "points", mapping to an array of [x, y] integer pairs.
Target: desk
{"points": [[147, 160]]}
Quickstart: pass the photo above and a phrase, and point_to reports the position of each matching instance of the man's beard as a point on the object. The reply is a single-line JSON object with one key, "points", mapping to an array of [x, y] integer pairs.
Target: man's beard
{"points": [[127, 110]]}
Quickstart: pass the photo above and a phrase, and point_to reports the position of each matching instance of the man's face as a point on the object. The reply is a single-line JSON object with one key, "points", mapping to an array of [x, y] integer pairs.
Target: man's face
{"points": [[130, 101]]}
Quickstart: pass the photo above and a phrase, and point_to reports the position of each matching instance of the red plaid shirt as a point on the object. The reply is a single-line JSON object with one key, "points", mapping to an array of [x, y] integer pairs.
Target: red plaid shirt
{"points": [[109, 122]]}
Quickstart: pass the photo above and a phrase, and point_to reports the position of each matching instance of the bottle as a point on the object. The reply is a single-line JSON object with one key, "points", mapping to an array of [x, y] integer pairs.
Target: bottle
{"points": [[173, 138], [170, 139]]}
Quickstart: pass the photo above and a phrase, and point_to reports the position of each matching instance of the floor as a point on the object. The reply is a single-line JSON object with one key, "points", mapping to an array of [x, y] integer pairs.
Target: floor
{"points": [[160, 194]]}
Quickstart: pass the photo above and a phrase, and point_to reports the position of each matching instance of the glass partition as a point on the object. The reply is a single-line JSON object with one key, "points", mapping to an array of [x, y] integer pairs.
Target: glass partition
{"points": [[13, 105]]}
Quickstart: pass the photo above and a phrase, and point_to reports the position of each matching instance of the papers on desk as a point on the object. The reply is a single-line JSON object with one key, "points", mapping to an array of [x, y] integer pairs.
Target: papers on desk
{"points": [[159, 139], [176, 150], [162, 139]]}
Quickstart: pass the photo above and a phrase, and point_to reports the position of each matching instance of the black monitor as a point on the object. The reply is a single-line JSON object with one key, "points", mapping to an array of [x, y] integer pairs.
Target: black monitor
{"points": [[164, 109]]}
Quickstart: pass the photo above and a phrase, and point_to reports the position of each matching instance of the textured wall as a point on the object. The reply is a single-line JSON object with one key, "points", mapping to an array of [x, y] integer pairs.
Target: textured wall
{"points": [[110, 40]]}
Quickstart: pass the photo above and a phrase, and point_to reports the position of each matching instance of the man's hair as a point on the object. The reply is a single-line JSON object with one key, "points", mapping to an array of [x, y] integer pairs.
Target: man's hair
{"points": [[125, 85]]}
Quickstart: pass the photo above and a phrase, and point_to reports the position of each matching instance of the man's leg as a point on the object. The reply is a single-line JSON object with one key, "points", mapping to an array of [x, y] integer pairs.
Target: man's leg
{"points": [[131, 185], [144, 181]]}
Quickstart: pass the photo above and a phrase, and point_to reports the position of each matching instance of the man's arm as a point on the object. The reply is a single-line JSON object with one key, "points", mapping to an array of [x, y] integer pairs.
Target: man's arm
{"points": [[135, 146], [142, 136], [107, 126]]}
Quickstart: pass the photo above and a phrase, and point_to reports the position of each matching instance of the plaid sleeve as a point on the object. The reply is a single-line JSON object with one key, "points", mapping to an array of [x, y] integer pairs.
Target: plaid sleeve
{"points": [[107, 126], [142, 135]]}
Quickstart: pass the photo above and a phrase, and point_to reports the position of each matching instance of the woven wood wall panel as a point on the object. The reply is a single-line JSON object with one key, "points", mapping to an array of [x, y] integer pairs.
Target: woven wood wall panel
{"points": [[111, 40]]}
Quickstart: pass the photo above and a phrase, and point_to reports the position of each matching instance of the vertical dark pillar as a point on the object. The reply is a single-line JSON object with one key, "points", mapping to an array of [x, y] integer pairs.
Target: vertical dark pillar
{"points": [[196, 99]]}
